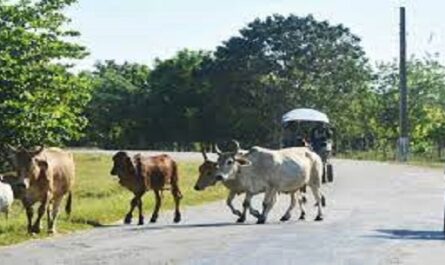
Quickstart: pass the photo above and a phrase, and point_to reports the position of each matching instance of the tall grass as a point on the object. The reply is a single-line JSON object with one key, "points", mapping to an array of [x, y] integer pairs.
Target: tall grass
{"points": [[99, 200]]}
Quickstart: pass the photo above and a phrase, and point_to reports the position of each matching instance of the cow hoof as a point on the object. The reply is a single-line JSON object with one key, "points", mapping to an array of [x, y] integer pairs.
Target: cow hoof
{"points": [[141, 220], [177, 218], [51, 232], [241, 219], [153, 220], [285, 218], [127, 219], [302, 217], [35, 230], [318, 218], [261, 220]]}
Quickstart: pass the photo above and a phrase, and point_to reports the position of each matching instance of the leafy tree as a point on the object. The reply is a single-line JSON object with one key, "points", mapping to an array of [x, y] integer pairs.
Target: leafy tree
{"points": [[426, 82], [41, 101], [178, 98], [117, 108], [281, 63]]}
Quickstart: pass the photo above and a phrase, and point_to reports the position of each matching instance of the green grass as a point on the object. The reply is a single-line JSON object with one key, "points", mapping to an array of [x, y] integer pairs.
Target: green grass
{"points": [[99, 200], [422, 160]]}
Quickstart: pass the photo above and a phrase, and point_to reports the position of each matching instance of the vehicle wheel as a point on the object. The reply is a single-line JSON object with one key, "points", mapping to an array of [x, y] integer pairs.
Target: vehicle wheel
{"points": [[330, 173], [323, 178]]}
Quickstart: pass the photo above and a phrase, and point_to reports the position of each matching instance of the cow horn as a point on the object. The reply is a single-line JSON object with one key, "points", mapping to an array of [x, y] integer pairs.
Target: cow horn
{"points": [[203, 152], [217, 150], [11, 148], [237, 146], [36, 151]]}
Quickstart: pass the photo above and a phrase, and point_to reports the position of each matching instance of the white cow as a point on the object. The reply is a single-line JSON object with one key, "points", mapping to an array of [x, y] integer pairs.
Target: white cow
{"points": [[273, 171]]}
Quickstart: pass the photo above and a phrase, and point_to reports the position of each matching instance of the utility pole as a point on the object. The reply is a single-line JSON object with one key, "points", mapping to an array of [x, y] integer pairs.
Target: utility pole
{"points": [[403, 142]]}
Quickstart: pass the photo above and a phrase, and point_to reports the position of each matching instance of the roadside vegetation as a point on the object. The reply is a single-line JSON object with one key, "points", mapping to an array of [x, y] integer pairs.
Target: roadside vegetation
{"points": [[430, 160], [239, 90], [99, 200]]}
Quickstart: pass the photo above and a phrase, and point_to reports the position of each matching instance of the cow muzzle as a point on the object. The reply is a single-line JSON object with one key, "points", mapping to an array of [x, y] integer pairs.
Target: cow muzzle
{"points": [[219, 178], [197, 188]]}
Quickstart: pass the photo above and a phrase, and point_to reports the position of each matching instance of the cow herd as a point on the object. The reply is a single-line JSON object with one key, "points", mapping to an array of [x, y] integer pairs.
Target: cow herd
{"points": [[47, 175]]}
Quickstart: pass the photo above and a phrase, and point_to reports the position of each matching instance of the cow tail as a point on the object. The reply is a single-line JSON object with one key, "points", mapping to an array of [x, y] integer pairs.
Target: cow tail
{"points": [[175, 181], [69, 202]]}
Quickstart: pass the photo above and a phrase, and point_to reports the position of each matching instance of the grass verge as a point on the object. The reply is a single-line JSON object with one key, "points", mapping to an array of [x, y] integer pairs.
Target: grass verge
{"points": [[415, 159], [99, 200]]}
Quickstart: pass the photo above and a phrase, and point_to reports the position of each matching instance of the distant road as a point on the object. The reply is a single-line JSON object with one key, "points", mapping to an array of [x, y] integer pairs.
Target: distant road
{"points": [[377, 213]]}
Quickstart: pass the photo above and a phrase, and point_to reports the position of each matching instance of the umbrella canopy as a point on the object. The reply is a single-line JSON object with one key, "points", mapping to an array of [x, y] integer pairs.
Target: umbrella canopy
{"points": [[305, 115]]}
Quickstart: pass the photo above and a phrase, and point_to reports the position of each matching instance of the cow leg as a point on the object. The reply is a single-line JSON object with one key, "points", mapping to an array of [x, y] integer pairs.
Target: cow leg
{"points": [[177, 196], [140, 208], [301, 202], [268, 202], [133, 204], [242, 218], [287, 215], [319, 198], [158, 198], [247, 204], [29, 215], [54, 214], [229, 201], [40, 212]]}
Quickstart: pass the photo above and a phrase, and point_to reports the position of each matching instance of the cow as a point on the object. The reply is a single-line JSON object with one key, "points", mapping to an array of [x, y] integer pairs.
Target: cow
{"points": [[48, 174], [140, 174], [273, 171], [208, 178]]}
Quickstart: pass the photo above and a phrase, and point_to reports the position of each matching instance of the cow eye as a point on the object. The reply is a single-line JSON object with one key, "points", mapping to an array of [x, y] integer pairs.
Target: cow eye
{"points": [[229, 162]]}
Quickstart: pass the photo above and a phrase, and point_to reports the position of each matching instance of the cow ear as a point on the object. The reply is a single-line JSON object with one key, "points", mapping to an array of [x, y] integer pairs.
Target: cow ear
{"points": [[243, 161], [129, 164], [42, 164]]}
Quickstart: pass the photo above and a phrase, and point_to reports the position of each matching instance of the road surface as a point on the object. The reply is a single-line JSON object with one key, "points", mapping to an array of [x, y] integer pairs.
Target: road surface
{"points": [[377, 213]]}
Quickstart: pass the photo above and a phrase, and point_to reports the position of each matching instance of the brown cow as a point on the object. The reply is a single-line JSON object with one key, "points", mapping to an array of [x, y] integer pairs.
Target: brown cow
{"points": [[48, 174], [141, 174]]}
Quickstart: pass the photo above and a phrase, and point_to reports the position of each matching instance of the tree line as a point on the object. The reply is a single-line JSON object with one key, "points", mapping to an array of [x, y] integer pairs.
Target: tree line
{"points": [[240, 90]]}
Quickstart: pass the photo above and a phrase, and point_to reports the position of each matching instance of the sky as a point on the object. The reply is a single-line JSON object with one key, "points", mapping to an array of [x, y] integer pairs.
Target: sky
{"points": [[142, 30]]}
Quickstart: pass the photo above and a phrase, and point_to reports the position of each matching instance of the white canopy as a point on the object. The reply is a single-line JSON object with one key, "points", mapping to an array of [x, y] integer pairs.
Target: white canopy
{"points": [[305, 115]]}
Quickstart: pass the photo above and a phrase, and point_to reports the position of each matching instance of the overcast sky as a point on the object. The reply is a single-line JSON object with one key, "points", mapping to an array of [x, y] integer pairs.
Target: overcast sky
{"points": [[142, 30]]}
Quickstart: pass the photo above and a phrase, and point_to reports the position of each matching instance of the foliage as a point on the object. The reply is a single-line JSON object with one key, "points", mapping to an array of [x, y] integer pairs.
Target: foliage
{"points": [[426, 103], [281, 63], [41, 101], [138, 107]]}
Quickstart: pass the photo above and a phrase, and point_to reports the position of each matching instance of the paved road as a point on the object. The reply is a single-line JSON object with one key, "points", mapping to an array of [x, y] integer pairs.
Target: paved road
{"points": [[377, 214]]}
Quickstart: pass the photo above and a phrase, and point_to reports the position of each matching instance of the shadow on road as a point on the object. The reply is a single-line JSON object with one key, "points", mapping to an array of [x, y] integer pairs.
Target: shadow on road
{"points": [[410, 234], [182, 226]]}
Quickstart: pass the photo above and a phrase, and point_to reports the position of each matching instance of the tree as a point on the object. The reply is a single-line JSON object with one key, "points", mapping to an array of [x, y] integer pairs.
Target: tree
{"points": [[426, 83], [116, 112], [41, 101], [281, 63], [179, 97]]}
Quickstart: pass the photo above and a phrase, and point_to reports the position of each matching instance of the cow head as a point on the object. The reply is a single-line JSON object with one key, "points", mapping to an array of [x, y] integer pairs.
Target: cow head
{"points": [[122, 165], [229, 163], [206, 173], [25, 163]]}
